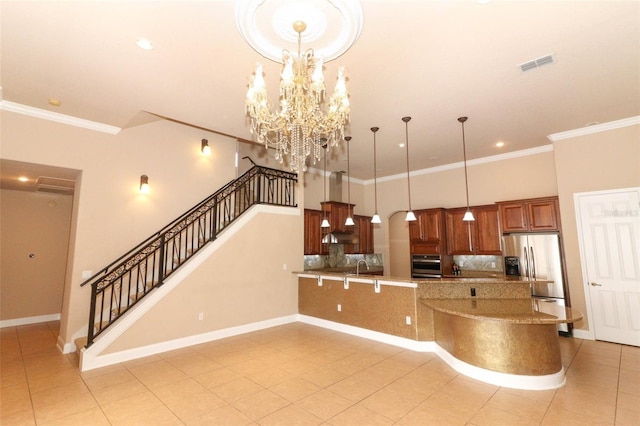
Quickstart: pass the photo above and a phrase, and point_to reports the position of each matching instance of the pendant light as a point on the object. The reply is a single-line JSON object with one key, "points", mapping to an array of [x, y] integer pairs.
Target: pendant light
{"points": [[468, 216], [349, 221], [325, 221], [410, 215], [376, 216]]}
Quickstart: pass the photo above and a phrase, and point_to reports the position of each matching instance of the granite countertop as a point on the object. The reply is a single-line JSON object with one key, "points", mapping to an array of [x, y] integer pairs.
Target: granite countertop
{"points": [[521, 311]]}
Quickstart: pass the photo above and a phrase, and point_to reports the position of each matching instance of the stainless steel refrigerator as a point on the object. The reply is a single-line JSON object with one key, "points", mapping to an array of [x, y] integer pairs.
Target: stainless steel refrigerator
{"points": [[537, 257]]}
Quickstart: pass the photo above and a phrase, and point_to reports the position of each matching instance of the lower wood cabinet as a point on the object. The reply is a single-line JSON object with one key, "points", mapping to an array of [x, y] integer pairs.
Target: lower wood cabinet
{"points": [[479, 237]]}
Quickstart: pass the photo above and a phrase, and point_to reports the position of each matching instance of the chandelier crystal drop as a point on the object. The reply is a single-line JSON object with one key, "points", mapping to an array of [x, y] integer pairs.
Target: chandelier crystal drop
{"points": [[297, 128]]}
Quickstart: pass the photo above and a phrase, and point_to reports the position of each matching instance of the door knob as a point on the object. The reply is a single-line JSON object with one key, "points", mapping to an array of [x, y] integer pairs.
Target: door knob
{"points": [[596, 285]]}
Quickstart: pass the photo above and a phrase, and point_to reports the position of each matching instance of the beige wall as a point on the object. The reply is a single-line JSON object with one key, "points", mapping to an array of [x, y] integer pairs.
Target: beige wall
{"points": [[110, 217], [601, 161], [241, 283], [33, 224]]}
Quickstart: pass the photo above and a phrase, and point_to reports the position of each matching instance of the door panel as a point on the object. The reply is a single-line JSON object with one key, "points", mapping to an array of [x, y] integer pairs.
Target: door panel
{"points": [[610, 229]]}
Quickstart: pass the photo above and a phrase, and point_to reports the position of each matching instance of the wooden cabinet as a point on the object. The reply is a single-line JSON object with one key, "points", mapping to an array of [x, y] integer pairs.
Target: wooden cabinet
{"points": [[479, 237], [337, 214], [426, 233], [365, 234], [531, 215], [312, 232]]}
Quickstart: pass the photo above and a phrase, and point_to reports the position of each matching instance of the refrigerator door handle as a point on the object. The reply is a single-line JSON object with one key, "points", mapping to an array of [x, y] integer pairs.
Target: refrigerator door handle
{"points": [[533, 264], [526, 263]]}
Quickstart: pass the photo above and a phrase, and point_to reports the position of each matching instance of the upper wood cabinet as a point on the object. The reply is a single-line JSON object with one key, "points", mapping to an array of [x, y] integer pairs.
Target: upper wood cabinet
{"points": [[427, 232], [337, 214], [312, 232], [479, 237], [531, 215], [365, 234]]}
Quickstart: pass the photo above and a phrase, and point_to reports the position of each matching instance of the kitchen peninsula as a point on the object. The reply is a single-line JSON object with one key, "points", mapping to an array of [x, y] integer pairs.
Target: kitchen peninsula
{"points": [[486, 328]]}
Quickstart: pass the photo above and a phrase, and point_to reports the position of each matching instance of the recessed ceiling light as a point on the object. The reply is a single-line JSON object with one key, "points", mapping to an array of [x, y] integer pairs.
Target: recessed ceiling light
{"points": [[500, 144], [401, 145], [54, 102], [23, 179], [145, 44]]}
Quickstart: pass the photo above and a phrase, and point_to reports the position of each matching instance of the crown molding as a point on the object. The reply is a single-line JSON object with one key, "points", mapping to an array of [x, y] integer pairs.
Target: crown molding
{"points": [[58, 118], [597, 128], [460, 164]]}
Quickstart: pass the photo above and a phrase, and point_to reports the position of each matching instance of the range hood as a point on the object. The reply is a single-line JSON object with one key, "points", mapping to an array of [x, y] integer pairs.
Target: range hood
{"points": [[335, 194], [339, 238]]}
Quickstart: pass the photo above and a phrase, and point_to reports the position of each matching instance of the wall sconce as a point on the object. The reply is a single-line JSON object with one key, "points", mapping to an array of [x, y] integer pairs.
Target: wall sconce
{"points": [[144, 184], [205, 148]]}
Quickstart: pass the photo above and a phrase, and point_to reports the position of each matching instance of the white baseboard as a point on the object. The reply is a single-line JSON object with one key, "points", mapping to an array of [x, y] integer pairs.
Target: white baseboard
{"points": [[550, 381], [90, 361], [583, 334], [29, 320]]}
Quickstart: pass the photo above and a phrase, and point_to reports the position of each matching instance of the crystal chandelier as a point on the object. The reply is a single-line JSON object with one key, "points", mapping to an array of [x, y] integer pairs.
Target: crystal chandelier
{"points": [[300, 126]]}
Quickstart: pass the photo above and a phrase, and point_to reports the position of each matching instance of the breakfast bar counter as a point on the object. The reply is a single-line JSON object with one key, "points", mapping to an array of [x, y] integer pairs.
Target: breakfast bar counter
{"points": [[490, 329]]}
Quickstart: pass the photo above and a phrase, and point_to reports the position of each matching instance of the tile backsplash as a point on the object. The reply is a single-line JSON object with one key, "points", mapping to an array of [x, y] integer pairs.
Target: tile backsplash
{"points": [[479, 264], [337, 258]]}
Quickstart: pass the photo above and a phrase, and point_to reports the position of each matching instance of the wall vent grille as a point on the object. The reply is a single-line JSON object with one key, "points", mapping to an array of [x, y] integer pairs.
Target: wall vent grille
{"points": [[535, 63]]}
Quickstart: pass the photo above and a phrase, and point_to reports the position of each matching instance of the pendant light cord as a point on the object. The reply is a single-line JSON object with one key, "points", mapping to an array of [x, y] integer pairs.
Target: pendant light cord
{"points": [[406, 126], [375, 180], [348, 138], [464, 157]]}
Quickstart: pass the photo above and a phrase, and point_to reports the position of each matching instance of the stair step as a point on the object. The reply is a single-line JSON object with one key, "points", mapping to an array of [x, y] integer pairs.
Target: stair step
{"points": [[80, 343]]}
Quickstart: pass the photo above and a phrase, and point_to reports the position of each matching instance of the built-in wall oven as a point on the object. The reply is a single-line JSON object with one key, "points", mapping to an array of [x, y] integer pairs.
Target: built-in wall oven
{"points": [[426, 266]]}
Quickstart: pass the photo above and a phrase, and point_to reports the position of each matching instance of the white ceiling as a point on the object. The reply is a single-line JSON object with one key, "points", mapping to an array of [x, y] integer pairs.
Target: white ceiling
{"points": [[432, 60]]}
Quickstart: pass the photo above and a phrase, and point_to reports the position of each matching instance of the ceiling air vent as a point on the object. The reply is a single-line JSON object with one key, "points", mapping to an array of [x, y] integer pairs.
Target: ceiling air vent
{"points": [[544, 60], [55, 185]]}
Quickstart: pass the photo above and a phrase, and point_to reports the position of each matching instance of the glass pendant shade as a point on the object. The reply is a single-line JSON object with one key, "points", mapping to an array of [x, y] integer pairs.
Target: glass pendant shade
{"points": [[410, 216], [349, 221], [325, 223], [376, 218], [468, 216]]}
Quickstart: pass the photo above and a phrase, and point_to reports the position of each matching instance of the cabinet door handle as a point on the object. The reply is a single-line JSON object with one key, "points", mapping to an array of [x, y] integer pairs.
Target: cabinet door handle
{"points": [[596, 285]]}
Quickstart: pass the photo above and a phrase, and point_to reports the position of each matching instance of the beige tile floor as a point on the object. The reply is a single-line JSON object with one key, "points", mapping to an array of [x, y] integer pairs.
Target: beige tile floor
{"points": [[298, 374]]}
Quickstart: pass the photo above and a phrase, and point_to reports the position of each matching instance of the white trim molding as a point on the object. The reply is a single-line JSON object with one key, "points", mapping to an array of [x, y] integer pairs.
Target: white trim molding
{"points": [[29, 320], [515, 381], [58, 118], [596, 128]]}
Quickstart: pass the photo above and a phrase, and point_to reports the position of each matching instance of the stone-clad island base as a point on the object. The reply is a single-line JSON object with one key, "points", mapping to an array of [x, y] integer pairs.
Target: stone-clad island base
{"points": [[500, 336]]}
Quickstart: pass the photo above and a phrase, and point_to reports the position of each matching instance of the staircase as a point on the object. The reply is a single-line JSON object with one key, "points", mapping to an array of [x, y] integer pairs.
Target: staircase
{"points": [[124, 282]]}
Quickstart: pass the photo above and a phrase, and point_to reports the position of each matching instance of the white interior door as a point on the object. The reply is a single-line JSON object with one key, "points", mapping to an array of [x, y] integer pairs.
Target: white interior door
{"points": [[609, 224]]}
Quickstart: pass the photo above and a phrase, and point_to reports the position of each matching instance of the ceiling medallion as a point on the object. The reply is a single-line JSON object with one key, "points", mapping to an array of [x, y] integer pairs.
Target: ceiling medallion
{"points": [[331, 26]]}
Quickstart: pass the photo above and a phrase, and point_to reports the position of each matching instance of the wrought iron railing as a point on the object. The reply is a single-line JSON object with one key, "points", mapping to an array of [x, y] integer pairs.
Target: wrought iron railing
{"points": [[124, 282]]}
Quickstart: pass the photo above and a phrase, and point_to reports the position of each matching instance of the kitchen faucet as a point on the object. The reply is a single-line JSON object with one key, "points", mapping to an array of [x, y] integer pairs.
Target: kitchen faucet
{"points": [[358, 266]]}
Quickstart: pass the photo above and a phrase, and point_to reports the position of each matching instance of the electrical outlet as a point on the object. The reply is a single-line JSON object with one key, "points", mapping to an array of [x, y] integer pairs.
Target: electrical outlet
{"points": [[408, 320], [201, 316], [87, 274], [493, 264], [284, 266], [339, 307]]}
